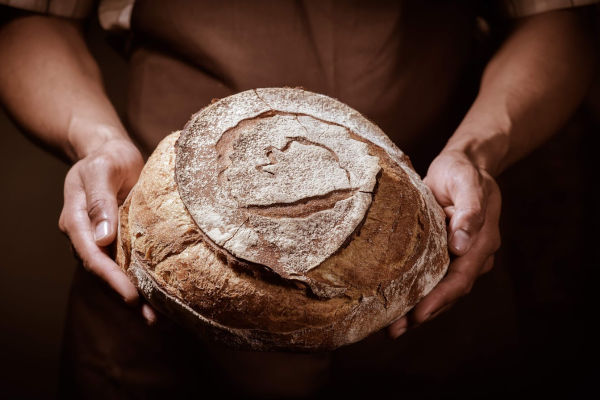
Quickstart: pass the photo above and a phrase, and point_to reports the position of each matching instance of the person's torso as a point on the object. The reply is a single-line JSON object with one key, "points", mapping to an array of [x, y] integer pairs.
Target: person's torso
{"points": [[400, 63]]}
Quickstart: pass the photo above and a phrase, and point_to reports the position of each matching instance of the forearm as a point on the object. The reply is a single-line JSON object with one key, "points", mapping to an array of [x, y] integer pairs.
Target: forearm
{"points": [[51, 85], [528, 91]]}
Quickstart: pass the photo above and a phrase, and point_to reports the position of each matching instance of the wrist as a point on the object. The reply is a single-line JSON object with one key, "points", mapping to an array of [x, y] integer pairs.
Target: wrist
{"points": [[485, 153], [85, 138], [485, 145]]}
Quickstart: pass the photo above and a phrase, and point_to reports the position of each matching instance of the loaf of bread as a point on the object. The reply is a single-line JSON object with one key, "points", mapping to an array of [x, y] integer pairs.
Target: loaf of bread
{"points": [[280, 219]]}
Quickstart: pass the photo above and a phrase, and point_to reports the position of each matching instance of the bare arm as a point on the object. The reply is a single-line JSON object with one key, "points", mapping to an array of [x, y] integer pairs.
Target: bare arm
{"points": [[529, 89], [52, 87]]}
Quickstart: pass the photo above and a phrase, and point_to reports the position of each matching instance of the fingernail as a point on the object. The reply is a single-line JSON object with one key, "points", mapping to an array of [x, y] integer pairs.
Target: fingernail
{"points": [[101, 230], [461, 241], [399, 332]]}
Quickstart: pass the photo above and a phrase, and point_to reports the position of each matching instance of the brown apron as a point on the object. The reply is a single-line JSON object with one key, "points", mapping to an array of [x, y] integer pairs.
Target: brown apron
{"points": [[402, 64]]}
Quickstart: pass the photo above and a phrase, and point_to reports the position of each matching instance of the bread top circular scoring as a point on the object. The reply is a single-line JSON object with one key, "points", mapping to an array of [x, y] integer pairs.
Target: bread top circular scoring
{"points": [[282, 219], [274, 187]]}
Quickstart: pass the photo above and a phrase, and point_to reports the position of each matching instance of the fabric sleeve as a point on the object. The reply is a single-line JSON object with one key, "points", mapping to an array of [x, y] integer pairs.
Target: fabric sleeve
{"points": [[524, 8], [61, 8], [115, 15]]}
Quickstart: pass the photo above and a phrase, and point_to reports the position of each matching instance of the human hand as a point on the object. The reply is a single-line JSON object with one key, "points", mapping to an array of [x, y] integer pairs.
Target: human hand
{"points": [[94, 188], [471, 200]]}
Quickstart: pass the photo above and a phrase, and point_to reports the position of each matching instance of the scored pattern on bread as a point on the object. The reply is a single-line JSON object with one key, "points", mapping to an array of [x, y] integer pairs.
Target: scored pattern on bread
{"points": [[394, 256], [277, 189]]}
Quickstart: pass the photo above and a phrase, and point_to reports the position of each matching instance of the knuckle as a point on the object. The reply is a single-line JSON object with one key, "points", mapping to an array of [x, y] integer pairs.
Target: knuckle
{"points": [[102, 160], [472, 218], [64, 223], [466, 289], [104, 164], [475, 214], [87, 264], [495, 242], [97, 207], [488, 267], [61, 222]]}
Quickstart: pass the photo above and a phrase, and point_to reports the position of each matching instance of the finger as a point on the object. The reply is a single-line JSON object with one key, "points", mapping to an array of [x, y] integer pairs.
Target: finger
{"points": [[398, 328], [442, 310], [102, 207], [75, 222], [447, 302], [464, 270], [468, 196], [487, 266], [455, 285], [149, 314]]}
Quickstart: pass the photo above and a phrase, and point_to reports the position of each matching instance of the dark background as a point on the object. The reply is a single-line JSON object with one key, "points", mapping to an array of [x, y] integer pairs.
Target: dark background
{"points": [[549, 259]]}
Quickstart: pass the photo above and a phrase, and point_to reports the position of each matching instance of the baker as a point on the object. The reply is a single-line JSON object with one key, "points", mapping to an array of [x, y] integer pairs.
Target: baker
{"points": [[405, 65]]}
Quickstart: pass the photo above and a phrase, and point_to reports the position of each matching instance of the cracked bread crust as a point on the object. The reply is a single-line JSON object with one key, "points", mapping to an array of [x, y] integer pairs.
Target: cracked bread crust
{"points": [[393, 255]]}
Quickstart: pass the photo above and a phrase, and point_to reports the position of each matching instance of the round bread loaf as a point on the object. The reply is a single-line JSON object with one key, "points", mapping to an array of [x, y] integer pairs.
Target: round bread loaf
{"points": [[281, 219]]}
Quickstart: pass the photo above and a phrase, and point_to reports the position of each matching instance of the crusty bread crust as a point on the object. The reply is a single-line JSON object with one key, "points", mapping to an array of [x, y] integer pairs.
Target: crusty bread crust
{"points": [[391, 252]]}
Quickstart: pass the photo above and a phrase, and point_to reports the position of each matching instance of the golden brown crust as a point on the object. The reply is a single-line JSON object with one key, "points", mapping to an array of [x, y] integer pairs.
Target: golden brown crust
{"points": [[390, 260]]}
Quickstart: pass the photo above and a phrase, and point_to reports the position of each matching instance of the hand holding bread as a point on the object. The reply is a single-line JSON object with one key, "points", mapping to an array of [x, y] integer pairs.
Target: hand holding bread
{"points": [[471, 200], [94, 188], [281, 219]]}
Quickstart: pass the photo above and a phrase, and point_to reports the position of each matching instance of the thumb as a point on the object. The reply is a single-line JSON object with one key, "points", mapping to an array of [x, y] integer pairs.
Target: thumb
{"points": [[102, 209], [468, 198]]}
